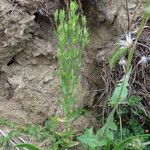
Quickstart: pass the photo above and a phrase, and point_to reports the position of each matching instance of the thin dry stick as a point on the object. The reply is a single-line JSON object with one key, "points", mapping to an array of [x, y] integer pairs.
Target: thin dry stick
{"points": [[13, 143], [144, 45], [22, 140], [128, 15], [135, 12]]}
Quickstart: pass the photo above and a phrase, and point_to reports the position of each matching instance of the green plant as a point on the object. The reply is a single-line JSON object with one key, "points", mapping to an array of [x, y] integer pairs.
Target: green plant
{"points": [[134, 100], [4, 140], [129, 129], [72, 38], [105, 135], [7, 123], [90, 139], [36, 131]]}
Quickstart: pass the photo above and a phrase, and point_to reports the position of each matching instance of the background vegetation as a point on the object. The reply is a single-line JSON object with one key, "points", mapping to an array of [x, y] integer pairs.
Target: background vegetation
{"points": [[72, 35]]}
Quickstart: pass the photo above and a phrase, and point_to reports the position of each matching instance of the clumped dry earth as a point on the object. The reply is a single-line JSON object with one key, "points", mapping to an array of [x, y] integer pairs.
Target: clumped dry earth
{"points": [[29, 88]]}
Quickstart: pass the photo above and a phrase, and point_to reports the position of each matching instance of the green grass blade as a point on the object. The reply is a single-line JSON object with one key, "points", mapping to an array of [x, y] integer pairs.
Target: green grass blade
{"points": [[28, 146]]}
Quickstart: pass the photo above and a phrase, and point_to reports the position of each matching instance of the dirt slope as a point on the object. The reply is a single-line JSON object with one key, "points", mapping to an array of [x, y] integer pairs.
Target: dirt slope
{"points": [[28, 84]]}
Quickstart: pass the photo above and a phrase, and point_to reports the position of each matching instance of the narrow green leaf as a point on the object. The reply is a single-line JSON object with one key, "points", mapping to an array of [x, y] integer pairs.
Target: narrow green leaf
{"points": [[28, 146], [113, 126], [121, 91], [114, 144], [110, 134], [147, 9]]}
